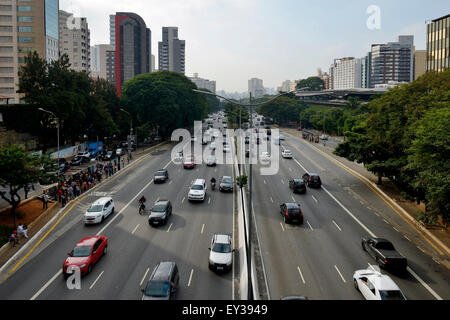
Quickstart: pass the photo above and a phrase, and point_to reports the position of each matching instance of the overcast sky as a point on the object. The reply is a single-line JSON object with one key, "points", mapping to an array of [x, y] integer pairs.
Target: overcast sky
{"points": [[231, 41]]}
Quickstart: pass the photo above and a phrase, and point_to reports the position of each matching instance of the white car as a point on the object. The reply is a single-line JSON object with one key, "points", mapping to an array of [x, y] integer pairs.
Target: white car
{"points": [[324, 137], [287, 154], [198, 190], [212, 146], [99, 210], [226, 148], [376, 286], [282, 137], [211, 161], [221, 253], [265, 157]]}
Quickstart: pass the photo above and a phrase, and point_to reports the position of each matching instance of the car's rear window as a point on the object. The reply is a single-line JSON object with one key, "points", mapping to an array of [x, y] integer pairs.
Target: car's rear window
{"points": [[294, 211], [197, 187], [391, 295], [96, 208], [159, 208], [160, 173], [385, 246]]}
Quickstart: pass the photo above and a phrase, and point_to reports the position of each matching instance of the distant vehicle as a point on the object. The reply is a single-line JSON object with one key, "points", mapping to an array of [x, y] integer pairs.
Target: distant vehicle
{"points": [[120, 152], [63, 165], [160, 213], [299, 129], [312, 180], [211, 161], [226, 148], [161, 176], [291, 213], [282, 137], [108, 156], [198, 190], [77, 161], [189, 162], [85, 255], [163, 283], [247, 140], [384, 253], [265, 157], [226, 184], [297, 186], [376, 286], [324, 137], [286, 154], [212, 146], [99, 210], [221, 253]]}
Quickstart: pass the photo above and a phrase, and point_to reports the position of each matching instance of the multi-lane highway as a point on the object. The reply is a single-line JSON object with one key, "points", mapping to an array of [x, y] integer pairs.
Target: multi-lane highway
{"points": [[134, 247]]}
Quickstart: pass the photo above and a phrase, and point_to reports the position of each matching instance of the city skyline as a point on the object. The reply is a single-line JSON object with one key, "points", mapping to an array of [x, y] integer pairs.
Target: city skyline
{"points": [[222, 37]]}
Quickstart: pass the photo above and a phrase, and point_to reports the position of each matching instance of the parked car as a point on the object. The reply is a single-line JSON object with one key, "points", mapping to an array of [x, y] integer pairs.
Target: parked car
{"points": [[312, 180], [384, 253], [291, 213], [163, 283], [86, 253], [198, 190], [221, 253], [160, 213], [120, 152], [108, 156], [286, 154], [99, 210], [376, 286], [226, 184], [189, 162], [161, 176], [297, 185], [63, 165]]}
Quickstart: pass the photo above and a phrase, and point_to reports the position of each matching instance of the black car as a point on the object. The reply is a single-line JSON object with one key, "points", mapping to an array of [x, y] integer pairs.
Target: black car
{"points": [[226, 184], [77, 161], [161, 176], [297, 186], [291, 213], [160, 213], [312, 180], [384, 253], [247, 153]]}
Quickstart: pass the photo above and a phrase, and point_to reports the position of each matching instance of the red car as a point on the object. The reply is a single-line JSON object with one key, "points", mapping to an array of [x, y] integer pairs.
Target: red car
{"points": [[299, 129], [86, 254], [189, 162]]}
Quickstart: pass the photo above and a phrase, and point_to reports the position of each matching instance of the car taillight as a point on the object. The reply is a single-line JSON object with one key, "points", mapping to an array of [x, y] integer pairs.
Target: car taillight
{"points": [[309, 179], [287, 213], [301, 213], [385, 261]]}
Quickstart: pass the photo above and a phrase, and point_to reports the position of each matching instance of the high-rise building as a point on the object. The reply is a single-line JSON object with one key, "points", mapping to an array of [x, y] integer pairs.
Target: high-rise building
{"points": [[203, 83], [256, 87], [366, 70], [103, 62], [133, 48], [153, 63], [438, 44], [75, 40], [393, 61], [420, 63], [25, 26], [345, 73], [171, 51], [112, 29], [286, 86]]}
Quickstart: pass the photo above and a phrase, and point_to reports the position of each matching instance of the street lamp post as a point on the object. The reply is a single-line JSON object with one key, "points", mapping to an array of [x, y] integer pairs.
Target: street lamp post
{"points": [[58, 124], [250, 209], [131, 124]]}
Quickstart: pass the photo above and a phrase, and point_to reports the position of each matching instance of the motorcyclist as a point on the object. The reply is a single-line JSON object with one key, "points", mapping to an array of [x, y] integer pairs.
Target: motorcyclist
{"points": [[213, 183]]}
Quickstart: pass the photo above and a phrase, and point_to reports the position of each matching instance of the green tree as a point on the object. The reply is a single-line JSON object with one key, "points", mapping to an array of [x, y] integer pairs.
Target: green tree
{"points": [[233, 112], [282, 110], [313, 83], [19, 170]]}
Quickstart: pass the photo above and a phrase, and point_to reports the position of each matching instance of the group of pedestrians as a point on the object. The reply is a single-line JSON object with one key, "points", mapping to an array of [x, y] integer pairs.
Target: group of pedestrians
{"points": [[22, 230]]}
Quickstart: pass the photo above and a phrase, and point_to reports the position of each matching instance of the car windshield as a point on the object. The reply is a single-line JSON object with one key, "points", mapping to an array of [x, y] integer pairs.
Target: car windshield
{"points": [[95, 208], [81, 252], [157, 289], [221, 248], [226, 180], [159, 208], [391, 295], [197, 187], [385, 246]]}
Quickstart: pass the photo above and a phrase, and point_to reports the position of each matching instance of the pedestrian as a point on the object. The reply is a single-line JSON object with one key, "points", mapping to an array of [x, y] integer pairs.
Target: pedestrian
{"points": [[70, 193], [22, 231], [106, 171], [13, 238], [131, 155], [77, 190], [45, 199], [63, 201], [123, 163], [118, 166], [59, 194]]}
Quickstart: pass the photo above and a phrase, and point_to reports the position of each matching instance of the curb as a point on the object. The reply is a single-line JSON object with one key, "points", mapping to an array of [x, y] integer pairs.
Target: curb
{"points": [[57, 215], [419, 227]]}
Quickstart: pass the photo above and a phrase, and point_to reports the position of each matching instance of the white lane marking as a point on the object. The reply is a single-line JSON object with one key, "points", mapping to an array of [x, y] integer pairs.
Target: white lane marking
{"points": [[387, 222], [315, 199], [157, 200], [376, 214], [427, 287], [293, 199], [361, 202], [143, 278], [310, 225], [265, 182], [203, 228], [170, 182], [424, 284], [395, 229], [407, 238], [340, 273], [436, 261], [135, 229], [100, 275], [183, 200], [369, 208], [190, 278], [271, 199], [337, 225], [282, 227], [209, 200], [282, 181], [421, 249], [301, 275], [168, 230], [46, 285], [290, 169]]}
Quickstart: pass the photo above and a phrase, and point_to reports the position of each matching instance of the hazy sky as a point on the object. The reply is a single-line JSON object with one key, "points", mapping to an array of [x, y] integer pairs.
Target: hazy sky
{"points": [[231, 41]]}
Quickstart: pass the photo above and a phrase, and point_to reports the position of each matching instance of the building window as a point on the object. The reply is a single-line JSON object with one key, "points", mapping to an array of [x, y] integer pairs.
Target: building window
{"points": [[26, 39], [25, 29], [24, 19], [24, 8]]}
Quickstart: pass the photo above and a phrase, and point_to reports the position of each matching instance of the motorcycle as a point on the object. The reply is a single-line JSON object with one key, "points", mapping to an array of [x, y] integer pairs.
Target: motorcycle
{"points": [[213, 186]]}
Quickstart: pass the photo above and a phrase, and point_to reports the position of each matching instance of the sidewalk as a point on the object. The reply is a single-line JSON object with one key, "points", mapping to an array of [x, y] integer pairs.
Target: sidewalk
{"points": [[8, 251], [440, 232]]}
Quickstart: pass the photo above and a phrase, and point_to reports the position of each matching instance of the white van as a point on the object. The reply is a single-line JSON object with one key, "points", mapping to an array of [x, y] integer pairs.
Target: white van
{"points": [[198, 190], [99, 210]]}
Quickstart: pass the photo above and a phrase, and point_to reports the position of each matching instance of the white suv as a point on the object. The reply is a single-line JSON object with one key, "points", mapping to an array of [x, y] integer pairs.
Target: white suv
{"points": [[198, 190], [221, 255], [99, 210]]}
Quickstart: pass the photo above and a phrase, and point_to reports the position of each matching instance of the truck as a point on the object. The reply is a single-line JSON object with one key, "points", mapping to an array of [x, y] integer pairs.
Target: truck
{"points": [[384, 253], [95, 147]]}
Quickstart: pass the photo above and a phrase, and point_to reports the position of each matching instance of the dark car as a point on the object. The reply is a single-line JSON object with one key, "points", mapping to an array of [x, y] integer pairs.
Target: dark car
{"points": [[161, 176], [291, 213], [247, 153], [247, 140], [297, 186], [384, 253], [163, 282], [77, 161], [312, 180], [226, 184], [63, 165], [160, 213]]}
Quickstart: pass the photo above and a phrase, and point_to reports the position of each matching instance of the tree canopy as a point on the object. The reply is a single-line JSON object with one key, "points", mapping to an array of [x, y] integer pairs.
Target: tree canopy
{"points": [[313, 83], [283, 110]]}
